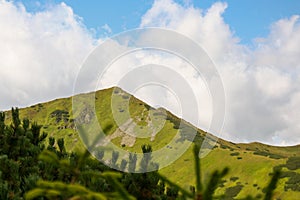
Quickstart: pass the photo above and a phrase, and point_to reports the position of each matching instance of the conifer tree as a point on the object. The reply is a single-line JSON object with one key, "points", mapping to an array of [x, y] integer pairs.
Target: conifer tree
{"points": [[21, 143], [31, 171]]}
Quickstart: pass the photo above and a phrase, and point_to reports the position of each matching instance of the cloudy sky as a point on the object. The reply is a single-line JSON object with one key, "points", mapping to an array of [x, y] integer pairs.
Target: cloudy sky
{"points": [[255, 46]]}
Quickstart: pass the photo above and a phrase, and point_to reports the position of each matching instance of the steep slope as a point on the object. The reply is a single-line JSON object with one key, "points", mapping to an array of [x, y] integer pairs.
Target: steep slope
{"points": [[250, 164]]}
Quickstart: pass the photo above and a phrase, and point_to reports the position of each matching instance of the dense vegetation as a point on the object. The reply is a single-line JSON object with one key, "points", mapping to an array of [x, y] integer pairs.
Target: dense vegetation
{"points": [[31, 169]]}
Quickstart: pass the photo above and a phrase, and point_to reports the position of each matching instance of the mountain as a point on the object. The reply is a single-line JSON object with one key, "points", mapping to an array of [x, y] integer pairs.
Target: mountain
{"points": [[250, 164]]}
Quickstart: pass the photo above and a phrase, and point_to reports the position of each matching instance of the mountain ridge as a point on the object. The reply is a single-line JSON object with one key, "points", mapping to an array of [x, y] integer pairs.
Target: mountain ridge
{"points": [[185, 121], [250, 163]]}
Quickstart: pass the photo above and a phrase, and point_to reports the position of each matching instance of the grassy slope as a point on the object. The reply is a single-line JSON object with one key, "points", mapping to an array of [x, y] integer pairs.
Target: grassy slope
{"points": [[252, 170]]}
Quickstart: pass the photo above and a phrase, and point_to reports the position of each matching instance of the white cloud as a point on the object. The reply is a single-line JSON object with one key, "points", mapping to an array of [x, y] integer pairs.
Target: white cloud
{"points": [[272, 83], [262, 100], [106, 28], [163, 83], [281, 47], [40, 53]]}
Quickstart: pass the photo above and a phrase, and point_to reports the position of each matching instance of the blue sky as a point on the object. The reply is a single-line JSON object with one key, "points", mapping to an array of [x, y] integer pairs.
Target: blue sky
{"points": [[255, 45], [248, 19]]}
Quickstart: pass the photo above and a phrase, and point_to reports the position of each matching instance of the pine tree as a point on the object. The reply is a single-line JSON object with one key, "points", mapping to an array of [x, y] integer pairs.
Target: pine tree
{"points": [[146, 185], [21, 143]]}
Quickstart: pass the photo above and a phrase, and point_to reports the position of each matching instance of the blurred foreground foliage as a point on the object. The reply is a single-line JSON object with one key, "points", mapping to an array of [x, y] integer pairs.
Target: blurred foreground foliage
{"points": [[30, 170]]}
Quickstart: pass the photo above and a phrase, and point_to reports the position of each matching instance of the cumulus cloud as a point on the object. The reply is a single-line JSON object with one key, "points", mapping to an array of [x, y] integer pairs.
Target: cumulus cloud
{"points": [[261, 84], [106, 28], [161, 79], [40, 53]]}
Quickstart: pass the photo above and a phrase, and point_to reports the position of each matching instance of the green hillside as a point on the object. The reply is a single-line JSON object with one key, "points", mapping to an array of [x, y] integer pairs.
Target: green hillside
{"points": [[249, 164]]}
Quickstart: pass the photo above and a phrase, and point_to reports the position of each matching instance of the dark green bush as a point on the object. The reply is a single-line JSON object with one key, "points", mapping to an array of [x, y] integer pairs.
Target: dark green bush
{"points": [[293, 163], [234, 178], [275, 156], [27, 168], [261, 153], [235, 154], [231, 192], [293, 183], [223, 146]]}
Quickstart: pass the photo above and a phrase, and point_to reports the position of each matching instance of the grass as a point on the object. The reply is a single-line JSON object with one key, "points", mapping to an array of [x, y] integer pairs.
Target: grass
{"points": [[249, 168]]}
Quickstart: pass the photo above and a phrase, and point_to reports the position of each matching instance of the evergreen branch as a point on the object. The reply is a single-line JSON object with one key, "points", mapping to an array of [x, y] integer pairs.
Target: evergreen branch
{"points": [[272, 185], [112, 177], [183, 191], [196, 150]]}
